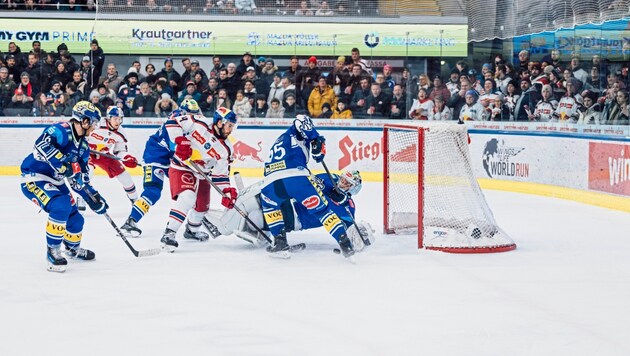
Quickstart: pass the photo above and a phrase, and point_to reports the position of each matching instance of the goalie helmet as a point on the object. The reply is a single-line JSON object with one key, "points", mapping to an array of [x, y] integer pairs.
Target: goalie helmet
{"points": [[84, 110], [350, 181], [115, 111], [224, 114], [189, 106]]}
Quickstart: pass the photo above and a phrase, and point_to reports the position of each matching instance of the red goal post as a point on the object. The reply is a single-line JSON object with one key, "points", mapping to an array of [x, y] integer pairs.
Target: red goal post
{"points": [[429, 188]]}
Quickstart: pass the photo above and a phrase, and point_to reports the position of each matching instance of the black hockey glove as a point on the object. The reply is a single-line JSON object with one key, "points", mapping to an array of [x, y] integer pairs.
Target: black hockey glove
{"points": [[318, 149], [98, 204], [338, 197]]}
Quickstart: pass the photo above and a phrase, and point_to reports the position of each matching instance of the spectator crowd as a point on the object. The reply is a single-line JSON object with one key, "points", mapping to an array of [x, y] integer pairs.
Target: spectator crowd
{"points": [[210, 7], [39, 83]]}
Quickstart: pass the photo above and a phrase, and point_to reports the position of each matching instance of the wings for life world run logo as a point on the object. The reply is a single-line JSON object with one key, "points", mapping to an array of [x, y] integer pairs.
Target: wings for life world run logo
{"points": [[500, 160]]}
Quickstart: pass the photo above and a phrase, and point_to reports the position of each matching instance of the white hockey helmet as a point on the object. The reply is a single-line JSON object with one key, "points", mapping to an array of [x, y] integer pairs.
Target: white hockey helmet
{"points": [[350, 181]]}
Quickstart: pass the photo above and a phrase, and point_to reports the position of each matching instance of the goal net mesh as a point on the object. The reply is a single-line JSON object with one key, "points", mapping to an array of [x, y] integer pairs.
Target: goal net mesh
{"points": [[436, 179]]}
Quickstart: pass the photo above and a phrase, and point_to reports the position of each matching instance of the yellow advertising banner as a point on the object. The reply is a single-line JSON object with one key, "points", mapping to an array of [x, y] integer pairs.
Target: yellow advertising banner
{"points": [[230, 38]]}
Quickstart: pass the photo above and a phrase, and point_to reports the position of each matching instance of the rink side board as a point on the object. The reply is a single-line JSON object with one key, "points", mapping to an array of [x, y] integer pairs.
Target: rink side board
{"points": [[584, 164]]}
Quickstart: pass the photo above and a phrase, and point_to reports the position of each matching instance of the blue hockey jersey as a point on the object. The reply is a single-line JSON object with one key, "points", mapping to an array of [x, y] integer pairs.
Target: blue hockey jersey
{"points": [[55, 150], [159, 147], [310, 221], [290, 153]]}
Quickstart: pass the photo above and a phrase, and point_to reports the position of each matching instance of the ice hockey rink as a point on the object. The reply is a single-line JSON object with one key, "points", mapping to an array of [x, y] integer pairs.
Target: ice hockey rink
{"points": [[564, 291]]}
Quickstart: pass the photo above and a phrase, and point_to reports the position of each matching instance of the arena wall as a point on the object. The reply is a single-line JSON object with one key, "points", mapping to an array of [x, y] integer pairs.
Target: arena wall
{"points": [[590, 164]]}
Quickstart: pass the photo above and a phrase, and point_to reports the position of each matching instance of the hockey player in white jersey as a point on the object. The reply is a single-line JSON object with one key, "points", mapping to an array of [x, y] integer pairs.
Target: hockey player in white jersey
{"points": [[206, 144], [111, 139]]}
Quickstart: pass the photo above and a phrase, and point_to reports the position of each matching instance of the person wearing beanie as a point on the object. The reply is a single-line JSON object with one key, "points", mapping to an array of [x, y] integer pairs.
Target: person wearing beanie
{"points": [[567, 110], [267, 74], [306, 81], [453, 82], [472, 110], [171, 76], [97, 57], [246, 62], [511, 97], [338, 77], [591, 111], [546, 107], [128, 92], [342, 111], [326, 111]]}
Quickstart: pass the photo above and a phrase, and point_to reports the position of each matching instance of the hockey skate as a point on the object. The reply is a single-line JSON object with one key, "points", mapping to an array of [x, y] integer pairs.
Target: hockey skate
{"points": [[198, 235], [213, 229], [346, 246], [79, 253], [131, 227], [280, 248], [56, 261], [169, 244]]}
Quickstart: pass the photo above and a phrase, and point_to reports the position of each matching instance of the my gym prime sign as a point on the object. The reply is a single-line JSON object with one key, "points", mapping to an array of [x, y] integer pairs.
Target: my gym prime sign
{"points": [[259, 38]]}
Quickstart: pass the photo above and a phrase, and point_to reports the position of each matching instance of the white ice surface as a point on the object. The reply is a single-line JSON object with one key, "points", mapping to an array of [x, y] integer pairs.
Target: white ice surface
{"points": [[564, 291]]}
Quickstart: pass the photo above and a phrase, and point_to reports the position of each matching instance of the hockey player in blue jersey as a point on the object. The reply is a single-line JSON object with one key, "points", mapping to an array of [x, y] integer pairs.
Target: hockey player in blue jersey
{"points": [[287, 176], [296, 216], [62, 151], [157, 158]]}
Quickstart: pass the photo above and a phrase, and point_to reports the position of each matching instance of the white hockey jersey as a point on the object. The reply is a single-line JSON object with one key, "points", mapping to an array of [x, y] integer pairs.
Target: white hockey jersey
{"points": [[474, 112], [568, 109], [215, 153], [106, 140], [545, 109]]}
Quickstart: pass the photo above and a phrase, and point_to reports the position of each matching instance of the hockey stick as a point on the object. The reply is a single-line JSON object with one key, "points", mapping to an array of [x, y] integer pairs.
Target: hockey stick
{"points": [[109, 155], [366, 242], [198, 170], [141, 253]]}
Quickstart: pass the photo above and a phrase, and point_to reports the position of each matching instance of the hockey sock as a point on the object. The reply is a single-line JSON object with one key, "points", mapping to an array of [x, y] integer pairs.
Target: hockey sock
{"points": [[181, 206], [194, 220], [140, 207], [127, 183], [274, 219], [332, 223], [72, 240], [55, 231]]}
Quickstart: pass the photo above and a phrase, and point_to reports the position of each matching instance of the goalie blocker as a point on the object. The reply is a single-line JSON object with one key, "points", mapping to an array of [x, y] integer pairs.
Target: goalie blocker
{"points": [[230, 222]]}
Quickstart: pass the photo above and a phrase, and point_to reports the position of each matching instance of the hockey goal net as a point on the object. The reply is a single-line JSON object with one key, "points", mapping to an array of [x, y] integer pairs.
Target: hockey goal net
{"points": [[430, 188]]}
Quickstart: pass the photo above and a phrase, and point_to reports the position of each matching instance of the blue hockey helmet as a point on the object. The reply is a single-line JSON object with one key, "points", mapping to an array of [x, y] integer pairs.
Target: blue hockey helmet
{"points": [[84, 110], [189, 106], [302, 123], [350, 181], [224, 114]]}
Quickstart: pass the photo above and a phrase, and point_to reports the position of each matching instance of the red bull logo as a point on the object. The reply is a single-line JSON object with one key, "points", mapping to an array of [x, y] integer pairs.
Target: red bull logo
{"points": [[242, 150]]}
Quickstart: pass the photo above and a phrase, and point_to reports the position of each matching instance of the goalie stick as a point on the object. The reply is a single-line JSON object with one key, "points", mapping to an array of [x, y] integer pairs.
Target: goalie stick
{"points": [[366, 242], [141, 253]]}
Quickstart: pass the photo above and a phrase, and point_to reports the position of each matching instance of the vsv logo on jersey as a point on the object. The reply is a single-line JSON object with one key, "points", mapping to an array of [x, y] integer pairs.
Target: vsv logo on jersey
{"points": [[311, 202]]}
